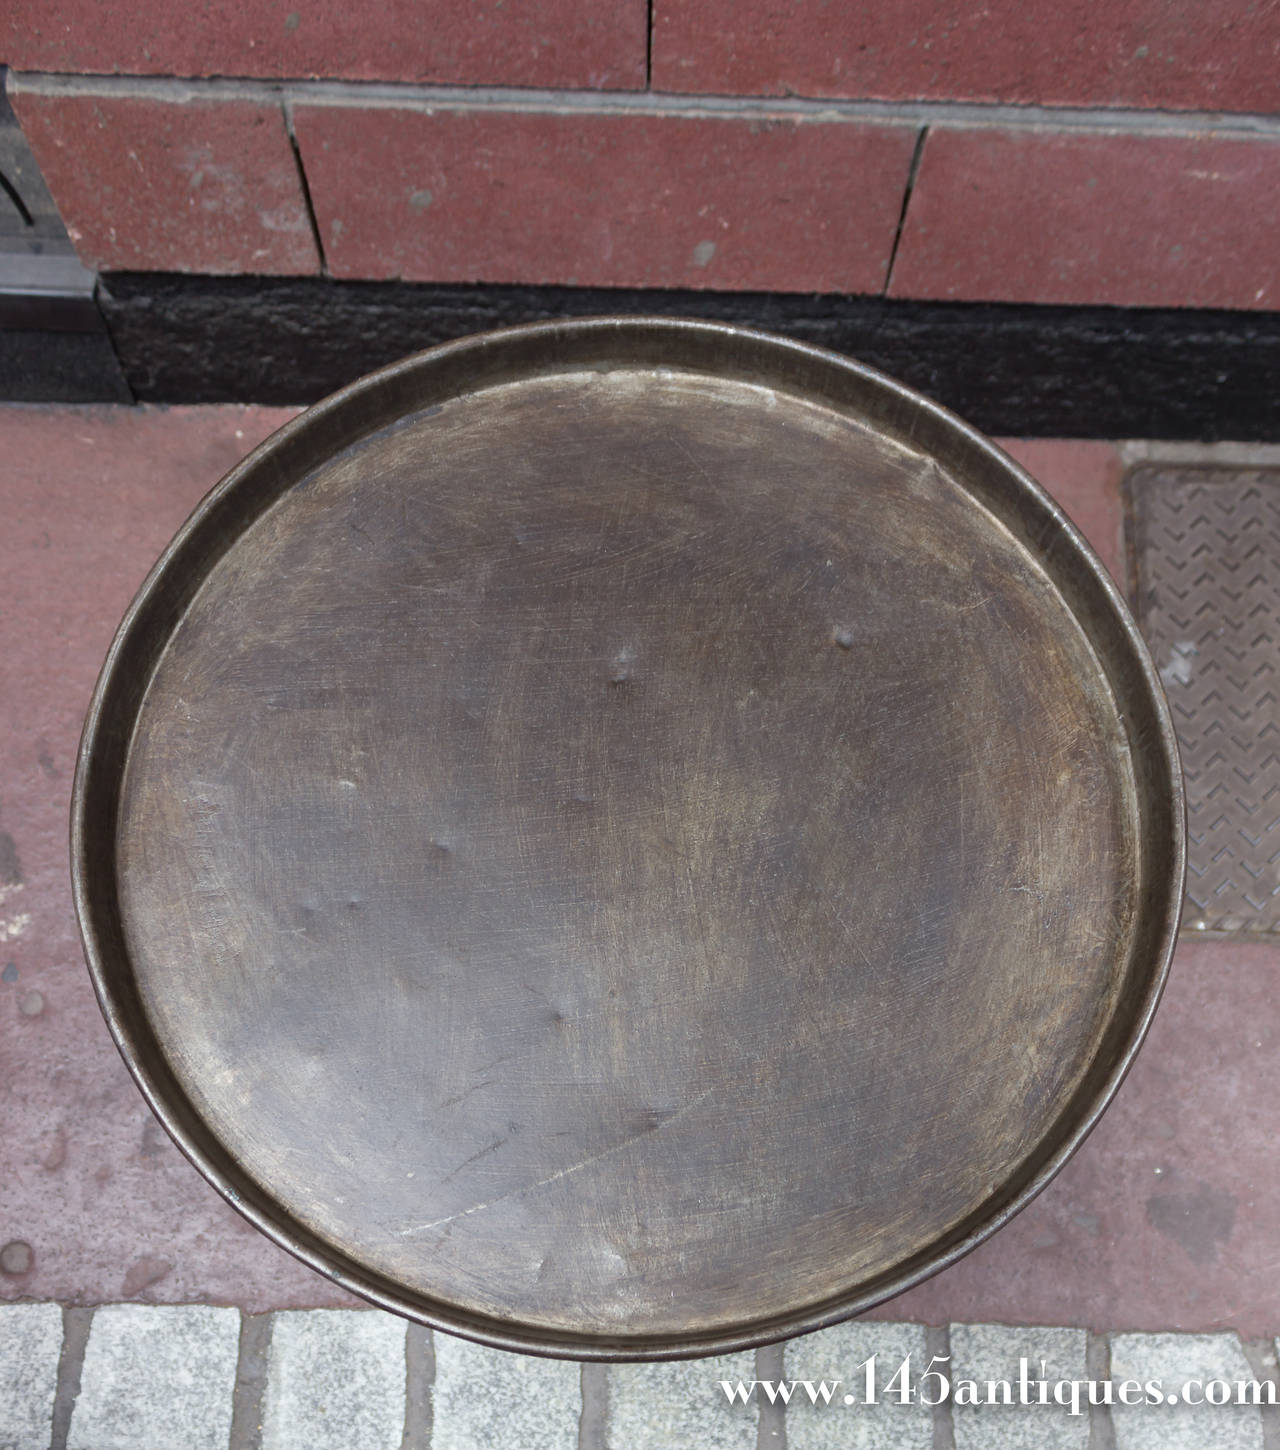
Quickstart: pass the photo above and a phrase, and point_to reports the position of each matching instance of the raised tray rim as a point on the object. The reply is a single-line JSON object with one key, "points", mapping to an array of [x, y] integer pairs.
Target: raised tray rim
{"points": [[368, 404]]}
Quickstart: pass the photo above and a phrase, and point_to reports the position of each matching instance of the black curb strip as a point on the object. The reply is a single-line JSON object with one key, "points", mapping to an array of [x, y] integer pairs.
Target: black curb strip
{"points": [[1010, 369]]}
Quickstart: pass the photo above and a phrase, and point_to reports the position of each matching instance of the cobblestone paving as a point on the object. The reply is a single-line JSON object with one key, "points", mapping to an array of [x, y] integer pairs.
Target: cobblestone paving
{"points": [[171, 1378]]}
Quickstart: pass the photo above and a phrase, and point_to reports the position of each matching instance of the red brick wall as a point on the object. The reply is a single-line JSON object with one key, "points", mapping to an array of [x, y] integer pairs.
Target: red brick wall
{"points": [[1124, 151]]}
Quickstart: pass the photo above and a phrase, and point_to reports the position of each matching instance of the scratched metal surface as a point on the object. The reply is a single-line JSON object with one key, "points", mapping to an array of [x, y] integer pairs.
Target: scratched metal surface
{"points": [[1208, 588], [628, 839]]}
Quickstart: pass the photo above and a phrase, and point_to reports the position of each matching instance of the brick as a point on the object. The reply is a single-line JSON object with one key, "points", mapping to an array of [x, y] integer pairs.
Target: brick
{"points": [[30, 1343], [462, 42], [837, 1355], [335, 1378], [540, 1399], [604, 199], [986, 1352], [157, 1376], [661, 1406], [171, 183], [1219, 55], [1025, 215], [1176, 1359]]}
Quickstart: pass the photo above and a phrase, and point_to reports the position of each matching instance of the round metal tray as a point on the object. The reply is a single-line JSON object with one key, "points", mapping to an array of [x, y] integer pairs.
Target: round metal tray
{"points": [[628, 838]]}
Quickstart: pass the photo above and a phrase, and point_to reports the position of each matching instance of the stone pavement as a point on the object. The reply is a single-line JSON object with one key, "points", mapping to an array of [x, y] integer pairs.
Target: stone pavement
{"points": [[136, 1308], [149, 1377]]}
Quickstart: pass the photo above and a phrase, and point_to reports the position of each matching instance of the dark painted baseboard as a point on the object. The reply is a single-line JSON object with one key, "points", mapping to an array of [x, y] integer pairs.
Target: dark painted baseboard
{"points": [[1081, 372]]}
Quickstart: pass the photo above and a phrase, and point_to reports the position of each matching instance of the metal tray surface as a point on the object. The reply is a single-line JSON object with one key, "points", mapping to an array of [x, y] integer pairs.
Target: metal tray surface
{"points": [[628, 838]]}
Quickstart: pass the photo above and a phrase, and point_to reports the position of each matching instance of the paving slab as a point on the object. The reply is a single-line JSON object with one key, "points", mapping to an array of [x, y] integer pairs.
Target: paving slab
{"points": [[335, 1379], [163, 1378], [1163, 1217], [838, 1358], [991, 1356], [662, 1406], [107, 1205], [30, 1343], [540, 1400], [1168, 1362]]}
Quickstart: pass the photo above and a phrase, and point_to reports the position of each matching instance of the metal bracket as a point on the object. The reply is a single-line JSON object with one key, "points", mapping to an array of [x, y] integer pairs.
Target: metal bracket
{"points": [[43, 286]]}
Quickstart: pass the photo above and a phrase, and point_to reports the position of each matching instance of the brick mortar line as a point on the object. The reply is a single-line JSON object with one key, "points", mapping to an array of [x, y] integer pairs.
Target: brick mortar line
{"points": [[593, 1417], [76, 1324], [1102, 1434], [1260, 1355], [419, 1387], [937, 1343], [249, 1395], [913, 172], [771, 1419], [286, 111], [392, 95]]}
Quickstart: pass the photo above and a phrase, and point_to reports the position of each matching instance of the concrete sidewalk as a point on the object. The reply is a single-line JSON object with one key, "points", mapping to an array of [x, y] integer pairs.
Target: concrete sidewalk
{"points": [[1166, 1223]]}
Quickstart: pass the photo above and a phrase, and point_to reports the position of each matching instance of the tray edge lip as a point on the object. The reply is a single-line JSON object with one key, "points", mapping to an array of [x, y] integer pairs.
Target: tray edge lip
{"points": [[520, 1336]]}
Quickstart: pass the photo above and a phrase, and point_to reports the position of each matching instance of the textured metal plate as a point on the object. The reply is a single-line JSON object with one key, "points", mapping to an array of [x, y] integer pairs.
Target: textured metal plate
{"points": [[628, 838], [1208, 577]]}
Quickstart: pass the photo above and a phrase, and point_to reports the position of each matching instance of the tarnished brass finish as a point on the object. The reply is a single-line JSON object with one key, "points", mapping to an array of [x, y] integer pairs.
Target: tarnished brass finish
{"points": [[628, 838]]}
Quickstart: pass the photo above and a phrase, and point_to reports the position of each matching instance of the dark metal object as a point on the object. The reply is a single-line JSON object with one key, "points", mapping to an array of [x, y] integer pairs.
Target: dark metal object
{"points": [[29, 220], [42, 284], [628, 838], [47, 293], [1011, 369], [1208, 590]]}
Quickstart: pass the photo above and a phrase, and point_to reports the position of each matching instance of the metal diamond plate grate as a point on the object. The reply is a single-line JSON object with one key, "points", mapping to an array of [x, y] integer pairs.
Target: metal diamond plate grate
{"points": [[1208, 581]]}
